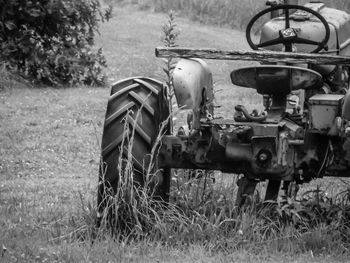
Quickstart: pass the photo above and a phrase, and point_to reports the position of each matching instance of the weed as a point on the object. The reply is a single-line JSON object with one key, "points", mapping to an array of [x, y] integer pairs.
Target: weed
{"points": [[170, 35]]}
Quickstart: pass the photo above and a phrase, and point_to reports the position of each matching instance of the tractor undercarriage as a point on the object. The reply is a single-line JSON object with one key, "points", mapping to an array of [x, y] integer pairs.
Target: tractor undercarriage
{"points": [[270, 150]]}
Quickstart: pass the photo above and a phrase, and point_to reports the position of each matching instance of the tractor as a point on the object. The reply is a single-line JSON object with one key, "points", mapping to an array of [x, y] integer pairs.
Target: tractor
{"points": [[303, 132]]}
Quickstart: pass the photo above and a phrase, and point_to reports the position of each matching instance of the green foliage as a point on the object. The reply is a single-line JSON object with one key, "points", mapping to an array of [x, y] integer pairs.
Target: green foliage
{"points": [[50, 41], [9, 79]]}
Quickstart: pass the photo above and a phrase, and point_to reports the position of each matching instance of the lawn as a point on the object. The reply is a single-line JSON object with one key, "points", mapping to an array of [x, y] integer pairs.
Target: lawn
{"points": [[49, 152]]}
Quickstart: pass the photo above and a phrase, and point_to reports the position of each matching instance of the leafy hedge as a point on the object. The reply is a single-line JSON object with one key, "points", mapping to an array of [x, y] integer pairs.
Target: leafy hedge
{"points": [[51, 41]]}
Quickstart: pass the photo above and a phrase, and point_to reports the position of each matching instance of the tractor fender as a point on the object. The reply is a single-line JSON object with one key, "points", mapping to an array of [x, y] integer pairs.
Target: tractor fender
{"points": [[193, 84], [346, 106]]}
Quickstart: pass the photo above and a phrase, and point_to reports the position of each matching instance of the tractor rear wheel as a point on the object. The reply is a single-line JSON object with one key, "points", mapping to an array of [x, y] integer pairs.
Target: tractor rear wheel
{"points": [[139, 105]]}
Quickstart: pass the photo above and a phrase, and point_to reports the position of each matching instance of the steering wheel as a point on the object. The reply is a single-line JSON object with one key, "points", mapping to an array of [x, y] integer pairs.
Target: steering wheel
{"points": [[289, 35]]}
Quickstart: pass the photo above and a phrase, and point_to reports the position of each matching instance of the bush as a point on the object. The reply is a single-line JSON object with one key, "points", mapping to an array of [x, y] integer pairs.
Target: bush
{"points": [[51, 41]]}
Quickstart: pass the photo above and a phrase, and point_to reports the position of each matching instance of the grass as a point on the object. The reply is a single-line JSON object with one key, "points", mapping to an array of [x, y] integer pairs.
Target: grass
{"points": [[49, 166], [229, 13]]}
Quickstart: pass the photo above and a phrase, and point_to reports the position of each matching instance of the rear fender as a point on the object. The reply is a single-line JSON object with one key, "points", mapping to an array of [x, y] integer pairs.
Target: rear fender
{"points": [[193, 87]]}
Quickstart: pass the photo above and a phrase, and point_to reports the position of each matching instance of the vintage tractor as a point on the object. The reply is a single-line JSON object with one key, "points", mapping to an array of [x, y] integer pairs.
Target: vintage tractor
{"points": [[303, 132]]}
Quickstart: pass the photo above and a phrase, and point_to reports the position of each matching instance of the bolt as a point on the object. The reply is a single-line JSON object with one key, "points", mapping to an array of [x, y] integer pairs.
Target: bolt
{"points": [[263, 157]]}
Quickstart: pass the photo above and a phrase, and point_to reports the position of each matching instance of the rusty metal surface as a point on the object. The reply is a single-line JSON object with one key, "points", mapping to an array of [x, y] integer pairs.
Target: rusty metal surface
{"points": [[326, 99], [324, 108], [256, 55], [222, 121]]}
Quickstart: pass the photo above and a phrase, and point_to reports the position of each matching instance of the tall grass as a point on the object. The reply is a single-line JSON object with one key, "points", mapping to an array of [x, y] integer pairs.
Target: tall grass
{"points": [[203, 213], [229, 13], [232, 13]]}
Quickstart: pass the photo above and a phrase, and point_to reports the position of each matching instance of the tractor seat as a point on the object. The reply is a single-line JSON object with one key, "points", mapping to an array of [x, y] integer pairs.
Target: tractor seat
{"points": [[277, 80]]}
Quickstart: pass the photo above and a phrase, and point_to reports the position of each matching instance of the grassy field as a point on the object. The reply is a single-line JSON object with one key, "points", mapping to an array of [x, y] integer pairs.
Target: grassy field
{"points": [[229, 13], [49, 148]]}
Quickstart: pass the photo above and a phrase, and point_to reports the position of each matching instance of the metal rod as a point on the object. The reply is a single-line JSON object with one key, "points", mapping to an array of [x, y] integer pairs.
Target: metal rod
{"points": [[296, 142]]}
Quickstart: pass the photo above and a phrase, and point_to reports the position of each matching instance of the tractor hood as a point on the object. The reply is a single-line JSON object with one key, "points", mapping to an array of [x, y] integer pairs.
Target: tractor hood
{"points": [[311, 28]]}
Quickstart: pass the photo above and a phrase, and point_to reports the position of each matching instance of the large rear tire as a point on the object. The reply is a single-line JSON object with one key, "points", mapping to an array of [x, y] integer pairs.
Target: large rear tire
{"points": [[142, 105]]}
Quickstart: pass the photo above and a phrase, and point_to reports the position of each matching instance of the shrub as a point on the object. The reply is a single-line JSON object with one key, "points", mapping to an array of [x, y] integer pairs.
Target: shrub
{"points": [[51, 41]]}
